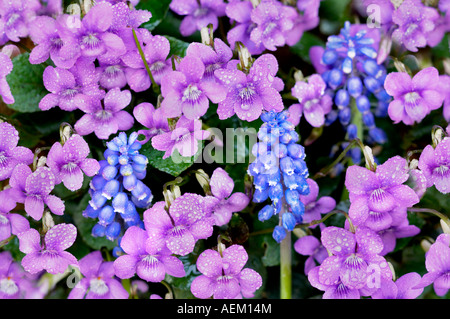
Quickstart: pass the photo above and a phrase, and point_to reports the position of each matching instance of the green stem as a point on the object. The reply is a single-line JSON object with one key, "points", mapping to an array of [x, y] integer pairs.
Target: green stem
{"points": [[141, 52], [285, 264], [431, 211], [357, 120]]}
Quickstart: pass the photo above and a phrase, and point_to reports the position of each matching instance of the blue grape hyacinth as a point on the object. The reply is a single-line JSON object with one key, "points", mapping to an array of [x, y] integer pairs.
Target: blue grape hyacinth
{"points": [[353, 73], [117, 190], [279, 172]]}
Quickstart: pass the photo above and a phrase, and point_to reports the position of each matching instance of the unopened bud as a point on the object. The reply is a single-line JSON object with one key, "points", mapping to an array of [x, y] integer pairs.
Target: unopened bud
{"points": [[41, 161], [298, 76], [87, 5], [394, 277], [65, 132], [445, 226], [426, 244], [206, 35], [384, 49], [413, 164], [11, 50], [244, 56], [204, 181], [446, 64], [400, 66], [47, 221], [396, 3], [437, 135], [255, 3], [368, 154]]}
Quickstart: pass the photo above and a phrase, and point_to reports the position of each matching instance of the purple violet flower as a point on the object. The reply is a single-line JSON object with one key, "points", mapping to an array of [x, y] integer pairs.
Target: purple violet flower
{"points": [[444, 87], [400, 228], [346, 272], [71, 89], [240, 12], [50, 255], [15, 16], [185, 138], [199, 13], [273, 20], [33, 189], [10, 153], [224, 276], [188, 220], [310, 246], [92, 38], [213, 58], [227, 203], [416, 24], [10, 223], [308, 19], [69, 161], [14, 282], [7, 67], [314, 208], [112, 75], [382, 190], [249, 94], [413, 98], [185, 93], [314, 102], [435, 165], [45, 33], [402, 288], [437, 262], [156, 51], [98, 281], [151, 118], [108, 119], [150, 260]]}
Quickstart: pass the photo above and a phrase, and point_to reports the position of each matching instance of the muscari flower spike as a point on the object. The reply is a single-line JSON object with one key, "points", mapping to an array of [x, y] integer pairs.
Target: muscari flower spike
{"points": [[353, 75], [279, 172], [117, 190]]}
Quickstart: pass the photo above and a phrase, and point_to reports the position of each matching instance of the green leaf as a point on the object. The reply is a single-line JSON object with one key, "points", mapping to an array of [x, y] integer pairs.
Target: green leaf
{"points": [[177, 47], [26, 84], [333, 10], [173, 165], [158, 9]]}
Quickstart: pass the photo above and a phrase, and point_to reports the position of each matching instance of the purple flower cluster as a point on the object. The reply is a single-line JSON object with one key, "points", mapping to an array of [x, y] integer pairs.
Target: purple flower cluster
{"points": [[269, 24], [379, 200], [95, 58], [411, 23], [64, 164], [198, 14], [353, 263], [98, 281]]}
